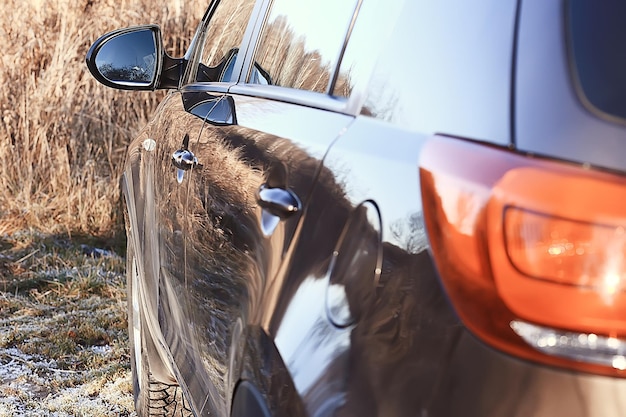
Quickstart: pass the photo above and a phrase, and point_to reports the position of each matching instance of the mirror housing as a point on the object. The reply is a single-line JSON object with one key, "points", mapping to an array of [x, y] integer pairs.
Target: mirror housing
{"points": [[133, 59]]}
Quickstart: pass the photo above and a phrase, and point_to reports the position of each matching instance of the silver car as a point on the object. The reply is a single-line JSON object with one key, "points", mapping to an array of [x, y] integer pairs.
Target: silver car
{"points": [[379, 208]]}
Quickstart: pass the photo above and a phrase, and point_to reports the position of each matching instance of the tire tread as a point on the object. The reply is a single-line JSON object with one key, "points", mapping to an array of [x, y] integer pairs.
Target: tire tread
{"points": [[167, 401]]}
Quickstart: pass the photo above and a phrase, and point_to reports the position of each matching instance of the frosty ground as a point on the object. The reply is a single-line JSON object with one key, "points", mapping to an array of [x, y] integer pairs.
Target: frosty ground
{"points": [[63, 341]]}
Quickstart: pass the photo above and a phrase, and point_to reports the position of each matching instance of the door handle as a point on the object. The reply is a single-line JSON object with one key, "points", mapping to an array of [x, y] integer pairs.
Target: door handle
{"points": [[184, 159], [277, 201]]}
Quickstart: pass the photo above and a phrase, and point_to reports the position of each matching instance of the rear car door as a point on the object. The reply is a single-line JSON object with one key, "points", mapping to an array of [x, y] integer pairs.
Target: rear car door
{"points": [[254, 161], [364, 326]]}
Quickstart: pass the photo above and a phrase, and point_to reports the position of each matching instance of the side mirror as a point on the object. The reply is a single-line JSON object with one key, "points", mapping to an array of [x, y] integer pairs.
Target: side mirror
{"points": [[133, 59]]}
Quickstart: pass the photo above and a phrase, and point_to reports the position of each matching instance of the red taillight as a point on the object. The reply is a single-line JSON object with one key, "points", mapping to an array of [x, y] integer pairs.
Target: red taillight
{"points": [[532, 252]]}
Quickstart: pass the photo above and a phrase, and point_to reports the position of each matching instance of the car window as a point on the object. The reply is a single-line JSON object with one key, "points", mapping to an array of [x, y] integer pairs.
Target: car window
{"points": [[414, 80], [301, 42], [597, 36], [220, 40]]}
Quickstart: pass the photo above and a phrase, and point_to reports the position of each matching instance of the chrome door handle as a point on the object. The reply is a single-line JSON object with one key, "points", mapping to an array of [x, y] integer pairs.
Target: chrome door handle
{"points": [[184, 159], [279, 202]]}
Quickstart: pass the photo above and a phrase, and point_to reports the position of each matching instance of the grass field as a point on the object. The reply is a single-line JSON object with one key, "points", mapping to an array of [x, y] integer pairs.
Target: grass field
{"points": [[63, 343], [63, 135]]}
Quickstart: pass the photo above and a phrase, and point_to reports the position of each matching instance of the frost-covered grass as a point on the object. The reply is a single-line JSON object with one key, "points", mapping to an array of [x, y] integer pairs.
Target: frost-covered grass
{"points": [[63, 340]]}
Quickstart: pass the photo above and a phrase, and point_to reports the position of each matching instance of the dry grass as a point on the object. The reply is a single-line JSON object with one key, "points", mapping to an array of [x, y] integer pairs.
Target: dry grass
{"points": [[62, 135]]}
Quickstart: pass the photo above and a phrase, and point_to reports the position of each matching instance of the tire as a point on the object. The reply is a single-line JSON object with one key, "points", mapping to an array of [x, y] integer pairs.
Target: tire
{"points": [[152, 398]]}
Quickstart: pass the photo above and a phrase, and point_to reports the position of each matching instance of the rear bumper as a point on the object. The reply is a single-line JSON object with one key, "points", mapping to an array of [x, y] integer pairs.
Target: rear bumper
{"points": [[483, 382]]}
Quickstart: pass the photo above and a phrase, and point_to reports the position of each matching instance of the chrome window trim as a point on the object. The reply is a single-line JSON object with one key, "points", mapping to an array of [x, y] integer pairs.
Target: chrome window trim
{"points": [[332, 82], [291, 95], [250, 39], [255, 32], [217, 87], [194, 51]]}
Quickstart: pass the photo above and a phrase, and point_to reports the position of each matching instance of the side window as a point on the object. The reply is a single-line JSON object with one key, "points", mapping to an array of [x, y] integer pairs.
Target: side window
{"points": [[221, 39], [441, 66], [301, 42], [370, 32]]}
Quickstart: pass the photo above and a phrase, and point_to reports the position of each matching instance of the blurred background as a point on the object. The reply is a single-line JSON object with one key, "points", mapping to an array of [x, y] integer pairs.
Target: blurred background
{"points": [[63, 136]]}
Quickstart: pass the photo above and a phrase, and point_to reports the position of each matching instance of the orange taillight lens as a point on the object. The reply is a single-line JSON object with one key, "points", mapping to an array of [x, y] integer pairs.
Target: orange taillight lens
{"points": [[528, 249], [566, 251]]}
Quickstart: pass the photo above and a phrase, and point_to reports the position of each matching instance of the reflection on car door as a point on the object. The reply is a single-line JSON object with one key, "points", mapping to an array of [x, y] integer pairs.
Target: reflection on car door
{"points": [[234, 242], [153, 184], [375, 317], [381, 339], [257, 156], [168, 163]]}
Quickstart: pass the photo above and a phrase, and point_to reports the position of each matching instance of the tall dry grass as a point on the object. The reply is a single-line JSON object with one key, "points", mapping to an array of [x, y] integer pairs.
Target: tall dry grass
{"points": [[62, 135]]}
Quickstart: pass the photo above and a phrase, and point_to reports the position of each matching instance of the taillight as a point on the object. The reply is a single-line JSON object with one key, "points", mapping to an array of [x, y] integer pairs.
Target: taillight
{"points": [[531, 252], [564, 250]]}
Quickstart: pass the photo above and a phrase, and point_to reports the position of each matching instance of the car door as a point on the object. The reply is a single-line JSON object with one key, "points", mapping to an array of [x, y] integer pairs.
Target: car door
{"points": [[253, 163], [164, 164], [363, 325]]}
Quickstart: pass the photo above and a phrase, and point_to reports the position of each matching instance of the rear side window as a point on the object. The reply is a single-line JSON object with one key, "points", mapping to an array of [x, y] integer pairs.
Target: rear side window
{"points": [[300, 44], [442, 66], [598, 47]]}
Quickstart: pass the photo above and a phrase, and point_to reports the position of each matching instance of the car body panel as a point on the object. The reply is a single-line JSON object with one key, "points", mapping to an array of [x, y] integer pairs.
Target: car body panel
{"points": [[337, 307], [408, 353], [233, 248], [354, 362], [558, 124]]}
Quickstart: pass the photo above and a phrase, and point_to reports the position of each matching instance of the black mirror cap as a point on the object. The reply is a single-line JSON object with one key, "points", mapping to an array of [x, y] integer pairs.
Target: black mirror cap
{"points": [[126, 32]]}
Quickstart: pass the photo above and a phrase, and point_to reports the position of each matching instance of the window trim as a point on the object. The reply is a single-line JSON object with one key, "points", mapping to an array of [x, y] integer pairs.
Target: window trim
{"points": [[292, 95], [332, 83], [195, 50], [243, 66]]}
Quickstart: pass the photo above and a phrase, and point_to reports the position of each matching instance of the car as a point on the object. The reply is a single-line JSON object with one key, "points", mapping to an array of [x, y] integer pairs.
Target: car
{"points": [[378, 208]]}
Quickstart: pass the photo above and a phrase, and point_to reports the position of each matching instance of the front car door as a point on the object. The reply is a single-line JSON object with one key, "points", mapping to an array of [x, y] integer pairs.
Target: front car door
{"points": [[162, 164], [256, 157]]}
